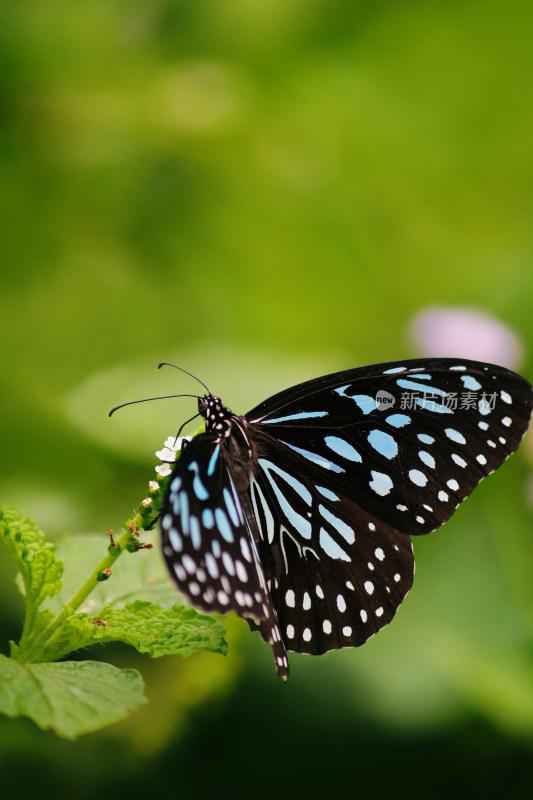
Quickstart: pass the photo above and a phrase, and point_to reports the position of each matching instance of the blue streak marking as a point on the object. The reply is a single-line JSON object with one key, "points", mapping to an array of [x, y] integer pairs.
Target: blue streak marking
{"points": [[184, 511], [431, 405], [383, 443], [197, 486], [257, 496], [327, 493], [208, 519], [236, 498], [342, 448], [364, 401], [303, 526], [392, 370], [230, 505], [426, 438], [196, 535], [422, 376], [298, 487], [341, 527], [331, 547], [224, 528], [213, 461], [419, 387], [398, 420], [470, 383], [315, 458], [212, 566], [175, 540], [301, 415]]}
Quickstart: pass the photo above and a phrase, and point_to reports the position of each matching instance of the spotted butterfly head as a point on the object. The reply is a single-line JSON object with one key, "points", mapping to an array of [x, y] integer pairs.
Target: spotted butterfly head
{"points": [[215, 413]]}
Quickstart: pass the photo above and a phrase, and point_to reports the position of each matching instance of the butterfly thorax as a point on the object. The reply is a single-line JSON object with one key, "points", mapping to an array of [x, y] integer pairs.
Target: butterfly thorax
{"points": [[231, 430], [217, 416]]}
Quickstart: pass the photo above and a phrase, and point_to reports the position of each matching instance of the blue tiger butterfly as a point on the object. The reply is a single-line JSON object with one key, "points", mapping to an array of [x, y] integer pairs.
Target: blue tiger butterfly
{"points": [[298, 516]]}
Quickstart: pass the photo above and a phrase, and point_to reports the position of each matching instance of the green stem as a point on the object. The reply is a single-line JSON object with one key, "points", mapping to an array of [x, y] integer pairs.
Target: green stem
{"points": [[33, 650], [43, 641]]}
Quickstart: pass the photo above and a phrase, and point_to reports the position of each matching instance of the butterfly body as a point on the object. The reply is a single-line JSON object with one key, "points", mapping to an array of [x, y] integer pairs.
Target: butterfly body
{"points": [[298, 515]]}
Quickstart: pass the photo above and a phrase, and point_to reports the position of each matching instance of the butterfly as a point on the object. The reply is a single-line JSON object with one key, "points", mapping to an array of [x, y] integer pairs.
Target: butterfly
{"points": [[298, 516]]}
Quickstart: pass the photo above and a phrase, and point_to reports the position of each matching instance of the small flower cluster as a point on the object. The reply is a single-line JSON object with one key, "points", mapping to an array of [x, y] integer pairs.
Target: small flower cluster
{"points": [[168, 454]]}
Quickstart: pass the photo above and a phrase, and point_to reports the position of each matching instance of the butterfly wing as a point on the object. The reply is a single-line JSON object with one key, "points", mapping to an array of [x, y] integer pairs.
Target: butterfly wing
{"points": [[412, 466], [208, 543], [342, 479], [336, 573]]}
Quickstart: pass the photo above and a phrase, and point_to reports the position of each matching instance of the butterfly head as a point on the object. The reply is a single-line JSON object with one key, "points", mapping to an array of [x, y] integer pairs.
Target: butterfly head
{"points": [[217, 416]]}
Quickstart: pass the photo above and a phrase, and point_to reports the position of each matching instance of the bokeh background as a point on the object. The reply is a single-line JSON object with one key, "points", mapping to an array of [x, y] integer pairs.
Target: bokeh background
{"points": [[264, 191]]}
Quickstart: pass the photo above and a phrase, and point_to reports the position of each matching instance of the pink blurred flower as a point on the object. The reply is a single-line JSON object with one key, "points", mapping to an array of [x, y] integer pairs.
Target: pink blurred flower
{"points": [[465, 332]]}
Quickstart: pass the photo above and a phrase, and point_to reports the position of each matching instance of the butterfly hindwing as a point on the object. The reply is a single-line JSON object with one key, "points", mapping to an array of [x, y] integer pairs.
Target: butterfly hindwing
{"points": [[336, 574], [208, 545]]}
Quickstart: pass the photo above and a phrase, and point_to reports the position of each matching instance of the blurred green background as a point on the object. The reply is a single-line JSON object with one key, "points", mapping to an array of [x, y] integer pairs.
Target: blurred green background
{"points": [[264, 191]]}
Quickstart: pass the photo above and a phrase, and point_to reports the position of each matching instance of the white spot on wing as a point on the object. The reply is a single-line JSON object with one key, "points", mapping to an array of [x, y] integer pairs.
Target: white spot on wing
{"points": [[417, 477], [381, 484]]}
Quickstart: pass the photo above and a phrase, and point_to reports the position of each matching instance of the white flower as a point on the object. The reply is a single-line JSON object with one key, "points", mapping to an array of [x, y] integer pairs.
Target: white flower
{"points": [[166, 454], [176, 444], [163, 470], [154, 486], [146, 502]]}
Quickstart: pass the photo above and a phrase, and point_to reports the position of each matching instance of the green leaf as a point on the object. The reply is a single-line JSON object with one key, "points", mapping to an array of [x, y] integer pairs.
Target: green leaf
{"points": [[136, 576], [41, 572], [72, 698], [149, 628]]}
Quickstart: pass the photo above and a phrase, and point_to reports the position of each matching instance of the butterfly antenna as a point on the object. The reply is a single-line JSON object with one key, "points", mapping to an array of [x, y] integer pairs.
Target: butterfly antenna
{"points": [[148, 399], [168, 364], [177, 436]]}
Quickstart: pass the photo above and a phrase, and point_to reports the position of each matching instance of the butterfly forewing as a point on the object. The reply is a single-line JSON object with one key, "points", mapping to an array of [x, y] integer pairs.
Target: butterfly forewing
{"points": [[412, 461], [207, 543]]}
